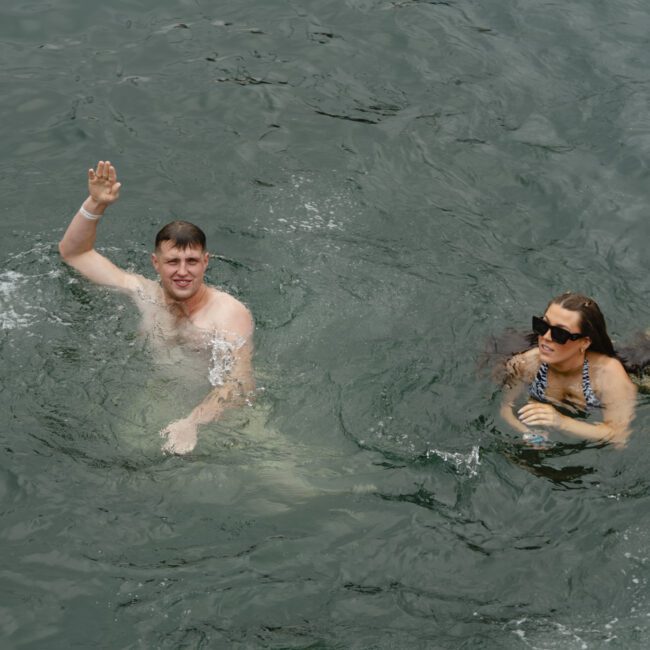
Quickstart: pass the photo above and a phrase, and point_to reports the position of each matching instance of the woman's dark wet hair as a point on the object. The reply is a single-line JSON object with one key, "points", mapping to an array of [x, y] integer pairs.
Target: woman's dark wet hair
{"points": [[183, 234], [592, 321], [635, 357]]}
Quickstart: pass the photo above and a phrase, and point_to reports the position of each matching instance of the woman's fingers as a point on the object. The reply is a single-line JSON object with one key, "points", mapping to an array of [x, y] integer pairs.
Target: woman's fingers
{"points": [[535, 408], [534, 421], [533, 414]]}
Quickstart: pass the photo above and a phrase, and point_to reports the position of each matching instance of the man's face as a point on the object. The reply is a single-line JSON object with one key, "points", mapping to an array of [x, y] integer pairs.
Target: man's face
{"points": [[181, 271]]}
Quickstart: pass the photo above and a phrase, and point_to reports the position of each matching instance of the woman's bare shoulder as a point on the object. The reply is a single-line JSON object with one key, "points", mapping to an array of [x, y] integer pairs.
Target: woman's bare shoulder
{"points": [[606, 368], [603, 362], [523, 365]]}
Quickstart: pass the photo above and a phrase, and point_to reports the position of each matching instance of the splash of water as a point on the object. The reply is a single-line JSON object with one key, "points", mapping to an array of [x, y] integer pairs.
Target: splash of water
{"points": [[222, 357], [307, 207], [10, 288], [463, 462]]}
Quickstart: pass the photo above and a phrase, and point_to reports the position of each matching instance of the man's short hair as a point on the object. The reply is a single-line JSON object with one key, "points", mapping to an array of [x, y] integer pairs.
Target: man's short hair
{"points": [[182, 234]]}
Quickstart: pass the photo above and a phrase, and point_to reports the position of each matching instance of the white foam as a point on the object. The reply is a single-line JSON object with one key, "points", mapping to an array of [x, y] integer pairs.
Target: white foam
{"points": [[302, 206], [463, 462], [10, 288], [222, 358]]}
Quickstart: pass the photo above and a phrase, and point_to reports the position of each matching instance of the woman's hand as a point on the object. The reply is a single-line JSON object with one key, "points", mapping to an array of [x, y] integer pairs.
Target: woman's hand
{"points": [[538, 414], [102, 184]]}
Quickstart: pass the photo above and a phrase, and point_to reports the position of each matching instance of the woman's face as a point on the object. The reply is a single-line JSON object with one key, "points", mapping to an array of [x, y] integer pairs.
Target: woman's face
{"points": [[555, 353]]}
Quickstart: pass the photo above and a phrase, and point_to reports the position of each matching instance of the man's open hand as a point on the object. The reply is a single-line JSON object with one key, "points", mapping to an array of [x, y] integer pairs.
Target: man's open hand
{"points": [[181, 437], [102, 183]]}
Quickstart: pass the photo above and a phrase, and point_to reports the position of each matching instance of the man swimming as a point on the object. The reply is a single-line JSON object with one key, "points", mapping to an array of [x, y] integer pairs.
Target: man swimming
{"points": [[180, 309]]}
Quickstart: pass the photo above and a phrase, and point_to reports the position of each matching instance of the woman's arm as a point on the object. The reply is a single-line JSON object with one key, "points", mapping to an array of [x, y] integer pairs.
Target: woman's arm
{"points": [[514, 387]]}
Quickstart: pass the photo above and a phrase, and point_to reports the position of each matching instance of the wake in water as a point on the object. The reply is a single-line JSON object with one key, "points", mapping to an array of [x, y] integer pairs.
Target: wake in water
{"points": [[28, 288]]}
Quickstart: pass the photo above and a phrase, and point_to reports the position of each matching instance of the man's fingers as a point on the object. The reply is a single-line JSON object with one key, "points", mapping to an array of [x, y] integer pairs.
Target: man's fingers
{"points": [[105, 172], [179, 450]]}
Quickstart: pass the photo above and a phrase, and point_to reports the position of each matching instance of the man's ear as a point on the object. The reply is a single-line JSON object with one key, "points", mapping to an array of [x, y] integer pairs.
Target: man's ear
{"points": [[154, 261]]}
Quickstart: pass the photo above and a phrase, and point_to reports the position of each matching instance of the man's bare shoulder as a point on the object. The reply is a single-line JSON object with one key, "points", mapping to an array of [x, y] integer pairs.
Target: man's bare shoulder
{"points": [[227, 314]]}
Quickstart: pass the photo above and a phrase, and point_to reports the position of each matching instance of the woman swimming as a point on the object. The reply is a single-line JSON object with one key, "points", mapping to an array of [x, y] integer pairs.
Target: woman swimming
{"points": [[573, 369]]}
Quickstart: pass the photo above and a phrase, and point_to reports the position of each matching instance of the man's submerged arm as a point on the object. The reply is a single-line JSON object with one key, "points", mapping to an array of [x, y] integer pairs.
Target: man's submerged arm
{"points": [[236, 390], [77, 245]]}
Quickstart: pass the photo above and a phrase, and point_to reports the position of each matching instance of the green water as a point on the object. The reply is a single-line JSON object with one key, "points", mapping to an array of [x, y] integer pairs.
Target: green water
{"points": [[385, 185]]}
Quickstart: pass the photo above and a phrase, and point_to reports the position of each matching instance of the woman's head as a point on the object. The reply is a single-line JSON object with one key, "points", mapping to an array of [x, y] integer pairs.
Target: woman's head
{"points": [[575, 313], [579, 314]]}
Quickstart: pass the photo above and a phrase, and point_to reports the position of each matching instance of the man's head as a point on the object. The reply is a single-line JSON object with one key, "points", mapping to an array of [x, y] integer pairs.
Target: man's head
{"points": [[182, 234], [180, 259]]}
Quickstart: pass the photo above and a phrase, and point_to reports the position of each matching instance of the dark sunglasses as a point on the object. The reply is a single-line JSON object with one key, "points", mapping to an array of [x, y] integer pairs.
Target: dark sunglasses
{"points": [[558, 334]]}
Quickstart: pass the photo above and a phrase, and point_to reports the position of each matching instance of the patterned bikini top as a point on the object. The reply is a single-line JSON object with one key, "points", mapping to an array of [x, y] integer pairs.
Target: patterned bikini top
{"points": [[538, 387]]}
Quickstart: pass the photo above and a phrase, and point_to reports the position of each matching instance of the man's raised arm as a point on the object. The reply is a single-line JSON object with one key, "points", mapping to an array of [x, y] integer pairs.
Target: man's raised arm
{"points": [[77, 245]]}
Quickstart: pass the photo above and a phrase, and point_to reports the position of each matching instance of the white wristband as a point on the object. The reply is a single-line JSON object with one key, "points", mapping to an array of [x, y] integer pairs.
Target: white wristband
{"points": [[89, 215]]}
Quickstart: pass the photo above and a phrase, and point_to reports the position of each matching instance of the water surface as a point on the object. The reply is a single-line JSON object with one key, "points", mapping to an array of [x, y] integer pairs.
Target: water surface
{"points": [[385, 185]]}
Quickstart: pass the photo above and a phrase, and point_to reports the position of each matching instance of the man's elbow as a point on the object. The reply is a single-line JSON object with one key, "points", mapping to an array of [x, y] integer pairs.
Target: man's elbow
{"points": [[68, 255], [64, 252]]}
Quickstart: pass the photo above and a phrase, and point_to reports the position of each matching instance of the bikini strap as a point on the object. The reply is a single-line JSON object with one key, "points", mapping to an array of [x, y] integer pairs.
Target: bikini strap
{"points": [[587, 390], [538, 387]]}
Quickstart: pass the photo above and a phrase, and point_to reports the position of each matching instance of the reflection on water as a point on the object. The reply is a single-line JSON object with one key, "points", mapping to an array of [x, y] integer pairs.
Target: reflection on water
{"points": [[540, 463]]}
